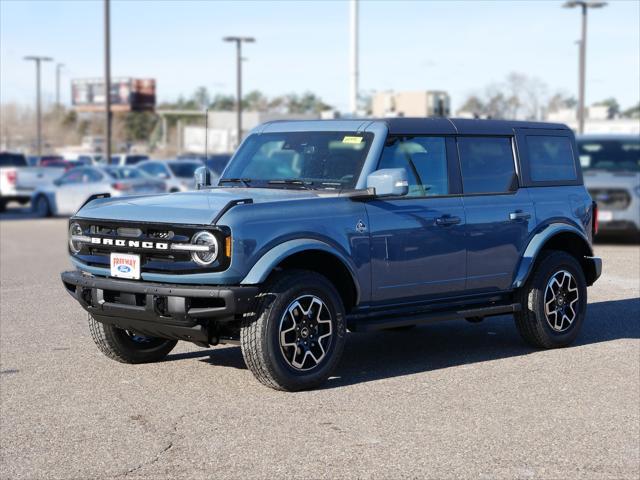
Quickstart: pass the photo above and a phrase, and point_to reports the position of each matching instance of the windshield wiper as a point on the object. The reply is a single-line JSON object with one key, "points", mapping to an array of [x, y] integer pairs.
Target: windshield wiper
{"points": [[245, 181], [290, 181]]}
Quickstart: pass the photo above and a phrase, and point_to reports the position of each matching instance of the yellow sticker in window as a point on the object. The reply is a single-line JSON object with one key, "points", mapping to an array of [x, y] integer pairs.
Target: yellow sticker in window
{"points": [[352, 140]]}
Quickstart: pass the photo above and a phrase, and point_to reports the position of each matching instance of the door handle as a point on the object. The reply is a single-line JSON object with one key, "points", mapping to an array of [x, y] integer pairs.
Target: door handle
{"points": [[519, 215], [447, 220]]}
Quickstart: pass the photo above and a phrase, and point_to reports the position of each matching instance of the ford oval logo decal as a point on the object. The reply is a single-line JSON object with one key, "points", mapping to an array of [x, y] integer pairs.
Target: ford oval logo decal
{"points": [[124, 268]]}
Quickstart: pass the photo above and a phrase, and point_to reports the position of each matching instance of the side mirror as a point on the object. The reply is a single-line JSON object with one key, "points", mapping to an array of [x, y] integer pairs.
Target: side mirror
{"points": [[389, 182], [202, 177], [58, 182]]}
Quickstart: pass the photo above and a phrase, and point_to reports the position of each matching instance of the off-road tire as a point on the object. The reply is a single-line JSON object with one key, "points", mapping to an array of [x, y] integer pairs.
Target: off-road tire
{"points": [[531, 320], [259, 335], [118, 345]]}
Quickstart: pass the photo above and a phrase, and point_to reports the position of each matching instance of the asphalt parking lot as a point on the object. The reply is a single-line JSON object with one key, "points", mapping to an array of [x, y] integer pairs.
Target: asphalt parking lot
{"points": [[453, 400]]}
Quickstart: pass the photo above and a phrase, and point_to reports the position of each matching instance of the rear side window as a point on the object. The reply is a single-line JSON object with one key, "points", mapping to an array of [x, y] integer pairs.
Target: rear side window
{"points": [[550, 158], [12, 160], [487, 165]]}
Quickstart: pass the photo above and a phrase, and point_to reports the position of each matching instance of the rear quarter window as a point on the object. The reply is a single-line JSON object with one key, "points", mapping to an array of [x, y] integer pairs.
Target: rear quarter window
{"points": [[551, 158]]}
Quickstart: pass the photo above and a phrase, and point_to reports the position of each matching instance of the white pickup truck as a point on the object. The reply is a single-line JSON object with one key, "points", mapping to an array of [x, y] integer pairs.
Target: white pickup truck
{"points": [[18, 181]]}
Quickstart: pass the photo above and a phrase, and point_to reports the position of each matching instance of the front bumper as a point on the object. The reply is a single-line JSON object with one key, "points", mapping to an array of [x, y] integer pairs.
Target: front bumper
{"points": [[156, 309]]}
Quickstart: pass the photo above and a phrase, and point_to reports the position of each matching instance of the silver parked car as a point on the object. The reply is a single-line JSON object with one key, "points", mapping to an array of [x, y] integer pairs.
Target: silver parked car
{"points": [[611, 166], [68, 193], [178, 174]]}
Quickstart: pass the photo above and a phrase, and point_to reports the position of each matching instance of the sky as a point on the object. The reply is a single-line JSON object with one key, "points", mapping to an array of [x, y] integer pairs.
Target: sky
{"points": [[457, 46]]}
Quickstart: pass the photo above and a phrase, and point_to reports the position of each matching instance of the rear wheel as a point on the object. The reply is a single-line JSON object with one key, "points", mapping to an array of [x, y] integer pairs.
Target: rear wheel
{"points": [[128, 347], [41, 206], [554, 301], [296, 336]]}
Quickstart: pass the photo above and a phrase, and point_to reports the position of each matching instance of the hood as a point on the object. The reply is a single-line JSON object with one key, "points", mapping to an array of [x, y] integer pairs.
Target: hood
{"points": [[608, 179], [197, 208]]}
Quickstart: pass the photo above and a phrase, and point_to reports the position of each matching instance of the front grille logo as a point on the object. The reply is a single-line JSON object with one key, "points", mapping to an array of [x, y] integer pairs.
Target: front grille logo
{"points": [[119, 242]]}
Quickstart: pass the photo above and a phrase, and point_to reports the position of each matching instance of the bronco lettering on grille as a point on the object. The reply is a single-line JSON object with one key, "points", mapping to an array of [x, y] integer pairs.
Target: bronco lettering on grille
{"points": [[118, 242]]}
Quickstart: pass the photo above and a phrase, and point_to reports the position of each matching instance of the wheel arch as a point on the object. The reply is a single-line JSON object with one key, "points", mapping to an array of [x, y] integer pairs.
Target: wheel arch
{"points": [[563, 237], [309, 254]]}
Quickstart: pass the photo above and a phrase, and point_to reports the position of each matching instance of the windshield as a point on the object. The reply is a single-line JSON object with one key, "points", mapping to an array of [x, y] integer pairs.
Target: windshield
{"points": [[184, 169], [614, 154], [314, 159]]}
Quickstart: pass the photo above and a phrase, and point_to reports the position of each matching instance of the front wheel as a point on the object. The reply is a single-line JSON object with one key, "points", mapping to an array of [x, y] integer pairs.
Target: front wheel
{"points": [[128, 347], [554, 301], [296, 336]]}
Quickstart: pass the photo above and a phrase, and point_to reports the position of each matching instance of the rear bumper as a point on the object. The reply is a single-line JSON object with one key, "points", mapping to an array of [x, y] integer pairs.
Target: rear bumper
{"points": [[619, 226], [156, 309], [15, 197]]}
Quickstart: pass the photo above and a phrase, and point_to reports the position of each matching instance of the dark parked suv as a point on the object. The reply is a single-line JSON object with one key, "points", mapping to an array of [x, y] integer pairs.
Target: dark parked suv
{"points": [[321, 227]]}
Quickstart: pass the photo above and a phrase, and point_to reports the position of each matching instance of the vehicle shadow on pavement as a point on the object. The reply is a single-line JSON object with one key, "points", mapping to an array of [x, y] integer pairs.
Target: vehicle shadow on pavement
{"points": [[379, 355], [23, 213], [382, 355]]}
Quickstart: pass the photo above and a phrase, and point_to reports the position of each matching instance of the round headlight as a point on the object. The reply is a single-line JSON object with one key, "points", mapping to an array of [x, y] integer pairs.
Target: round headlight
{"points": [[74, 229], [205, 239]]}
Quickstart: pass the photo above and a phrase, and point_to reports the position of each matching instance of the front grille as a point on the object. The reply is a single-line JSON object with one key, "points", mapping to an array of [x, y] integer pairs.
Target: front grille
{"points": [[610, 198], [156, 260]]}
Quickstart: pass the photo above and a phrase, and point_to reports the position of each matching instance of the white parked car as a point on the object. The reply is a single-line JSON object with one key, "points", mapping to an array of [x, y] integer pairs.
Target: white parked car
{"points": [[177, 174], [84, 158], [67, 194]]}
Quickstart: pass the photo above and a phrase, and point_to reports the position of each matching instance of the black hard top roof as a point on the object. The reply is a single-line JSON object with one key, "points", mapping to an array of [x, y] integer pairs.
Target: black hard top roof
{"points": [[465, 126]]}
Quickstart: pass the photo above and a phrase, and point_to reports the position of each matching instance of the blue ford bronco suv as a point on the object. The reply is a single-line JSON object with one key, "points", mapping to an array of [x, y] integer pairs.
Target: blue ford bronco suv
{"points": [[319, 227]]}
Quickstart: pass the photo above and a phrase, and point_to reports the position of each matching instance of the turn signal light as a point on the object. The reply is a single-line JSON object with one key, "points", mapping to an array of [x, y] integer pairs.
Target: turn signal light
{"points": [[227, 247]]}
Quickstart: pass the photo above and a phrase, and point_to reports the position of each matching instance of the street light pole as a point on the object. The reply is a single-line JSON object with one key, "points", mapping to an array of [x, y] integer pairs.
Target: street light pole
{"points": [[238, 41], [58, 68], [353, 87], [107, 80], [582, 67], [38, 61]]}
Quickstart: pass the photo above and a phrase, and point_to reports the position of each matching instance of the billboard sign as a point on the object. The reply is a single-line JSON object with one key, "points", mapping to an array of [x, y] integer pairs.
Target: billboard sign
{"points": [[127, 94]]}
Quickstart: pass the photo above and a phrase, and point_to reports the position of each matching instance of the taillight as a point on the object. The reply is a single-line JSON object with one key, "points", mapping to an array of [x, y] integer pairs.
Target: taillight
{"points": [[594, 220], [11, 177], [121, 186]]}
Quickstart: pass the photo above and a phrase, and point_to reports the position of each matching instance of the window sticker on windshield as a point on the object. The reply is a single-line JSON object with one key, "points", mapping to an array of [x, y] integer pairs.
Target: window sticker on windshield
{"points": [[352, 139]]}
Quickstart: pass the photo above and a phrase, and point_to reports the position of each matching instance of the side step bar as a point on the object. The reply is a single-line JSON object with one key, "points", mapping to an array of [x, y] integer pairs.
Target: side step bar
{"points": [[372, 324]]}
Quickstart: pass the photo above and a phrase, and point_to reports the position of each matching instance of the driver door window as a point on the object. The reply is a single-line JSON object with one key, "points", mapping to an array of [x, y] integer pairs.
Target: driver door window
{"points": [[424, 159]]}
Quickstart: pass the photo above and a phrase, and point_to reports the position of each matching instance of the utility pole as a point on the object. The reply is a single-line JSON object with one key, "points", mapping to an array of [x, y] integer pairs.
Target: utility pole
{"points": [[58, 68], [353, 90], [584, 5], [107, 80], [38, 61], [238, 41]]}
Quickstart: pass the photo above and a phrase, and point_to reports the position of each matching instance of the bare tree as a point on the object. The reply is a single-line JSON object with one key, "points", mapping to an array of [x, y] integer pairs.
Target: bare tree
{"points": [[517, 97]]}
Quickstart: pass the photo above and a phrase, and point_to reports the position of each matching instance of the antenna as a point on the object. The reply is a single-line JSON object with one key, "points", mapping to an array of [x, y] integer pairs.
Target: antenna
{"points": [[206, 134]]}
